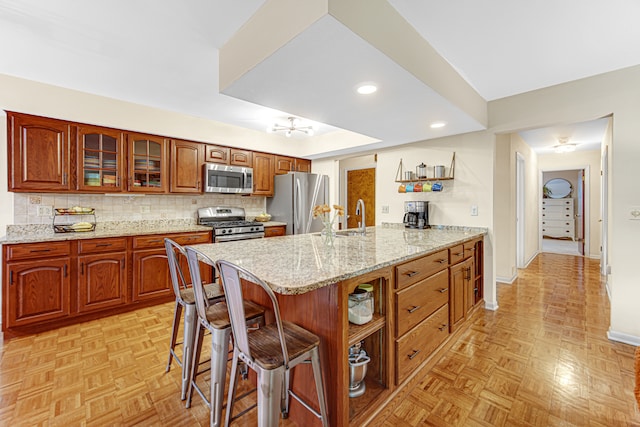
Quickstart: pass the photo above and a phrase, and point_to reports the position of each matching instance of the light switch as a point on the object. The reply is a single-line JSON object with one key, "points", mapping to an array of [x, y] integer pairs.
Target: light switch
{"points": [[474, 210], [385, 209]]}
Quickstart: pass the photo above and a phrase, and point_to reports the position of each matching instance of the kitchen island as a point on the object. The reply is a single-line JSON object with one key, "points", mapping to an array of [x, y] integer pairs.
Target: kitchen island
{"points": [[426, 282]]}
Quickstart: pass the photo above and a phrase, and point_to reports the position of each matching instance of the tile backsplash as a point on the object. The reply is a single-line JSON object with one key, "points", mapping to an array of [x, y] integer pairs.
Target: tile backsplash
{"points": [[129, 207]]}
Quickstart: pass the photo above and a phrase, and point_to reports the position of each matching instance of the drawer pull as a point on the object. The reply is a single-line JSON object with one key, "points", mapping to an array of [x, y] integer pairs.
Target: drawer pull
{"points": [[155, 241], [102, 245], [414, 354], [411, 273], [40, 250], [443, 327], [442, 261], [414, 308], [460, 254], [443, 290]]}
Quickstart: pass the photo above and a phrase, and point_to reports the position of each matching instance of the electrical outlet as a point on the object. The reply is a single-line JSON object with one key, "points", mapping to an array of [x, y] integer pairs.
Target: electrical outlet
{"points": [[35, 200], [385, 209], [145, 209], [634, 213], [474, 210], [45, 210]]}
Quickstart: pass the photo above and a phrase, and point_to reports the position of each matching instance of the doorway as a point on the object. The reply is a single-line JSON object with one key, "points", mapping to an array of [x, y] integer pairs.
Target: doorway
{"points": [[361, 184]]}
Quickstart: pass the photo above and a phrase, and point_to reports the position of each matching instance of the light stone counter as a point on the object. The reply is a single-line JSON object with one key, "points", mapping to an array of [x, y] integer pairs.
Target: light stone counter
{"points": [[44, 233], [298, 264]]}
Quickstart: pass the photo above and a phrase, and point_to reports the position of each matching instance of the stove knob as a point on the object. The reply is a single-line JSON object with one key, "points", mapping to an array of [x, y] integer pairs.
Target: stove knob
{"points": [[224, 231]]}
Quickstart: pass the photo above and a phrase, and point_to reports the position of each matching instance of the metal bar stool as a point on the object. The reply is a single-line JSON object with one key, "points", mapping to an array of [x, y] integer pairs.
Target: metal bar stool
{"points": [[184, 299], [271, 351], [214, 318]]}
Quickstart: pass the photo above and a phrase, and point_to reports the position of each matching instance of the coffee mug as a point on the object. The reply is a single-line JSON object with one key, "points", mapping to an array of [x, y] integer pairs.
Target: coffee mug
{"points": [[437, 186], [426, 186], [402, 189], [409, 188]]}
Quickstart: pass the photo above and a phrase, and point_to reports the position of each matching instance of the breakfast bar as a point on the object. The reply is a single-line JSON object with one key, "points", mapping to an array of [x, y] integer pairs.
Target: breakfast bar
{"points": [[424, 285]]}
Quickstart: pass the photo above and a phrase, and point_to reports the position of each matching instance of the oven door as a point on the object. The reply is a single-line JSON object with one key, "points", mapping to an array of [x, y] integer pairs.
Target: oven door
{"points": [[239, 236]]}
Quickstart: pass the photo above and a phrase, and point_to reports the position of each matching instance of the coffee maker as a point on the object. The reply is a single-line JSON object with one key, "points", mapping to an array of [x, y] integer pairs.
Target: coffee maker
{"points": [[416, 214]]}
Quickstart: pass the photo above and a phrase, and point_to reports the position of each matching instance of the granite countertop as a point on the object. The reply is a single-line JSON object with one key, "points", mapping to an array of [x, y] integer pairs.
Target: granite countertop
{"points": [[293, 265], [273, 223], [44, 233]]}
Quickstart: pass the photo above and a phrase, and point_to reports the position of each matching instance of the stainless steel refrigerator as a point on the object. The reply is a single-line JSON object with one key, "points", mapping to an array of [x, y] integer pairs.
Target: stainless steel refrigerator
{"points": [[295, 195]]}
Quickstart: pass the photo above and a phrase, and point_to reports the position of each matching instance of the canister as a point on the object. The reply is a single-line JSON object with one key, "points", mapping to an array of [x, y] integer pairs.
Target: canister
{"points": [[361, 304], [438, 171]]}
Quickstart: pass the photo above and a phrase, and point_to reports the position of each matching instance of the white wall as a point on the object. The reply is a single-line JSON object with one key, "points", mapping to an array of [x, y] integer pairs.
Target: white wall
{"points": [[594, 97]]}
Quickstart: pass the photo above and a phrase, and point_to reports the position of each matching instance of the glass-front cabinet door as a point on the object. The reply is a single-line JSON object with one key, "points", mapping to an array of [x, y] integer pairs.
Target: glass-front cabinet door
{"points": [[147, 163], [100, 159]]}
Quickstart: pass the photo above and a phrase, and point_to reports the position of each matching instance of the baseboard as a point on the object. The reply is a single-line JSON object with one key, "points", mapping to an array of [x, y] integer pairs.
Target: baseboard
{"points": [[624, 338], [526, 264], [508, 281], [493, 306]]}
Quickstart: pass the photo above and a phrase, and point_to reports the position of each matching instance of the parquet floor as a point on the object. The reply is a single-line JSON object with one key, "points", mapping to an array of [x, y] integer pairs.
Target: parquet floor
{"points": [[542, 359]]}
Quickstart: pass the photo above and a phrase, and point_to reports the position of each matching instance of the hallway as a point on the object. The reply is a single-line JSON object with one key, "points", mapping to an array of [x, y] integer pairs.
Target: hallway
{"points": [[541, 359]]}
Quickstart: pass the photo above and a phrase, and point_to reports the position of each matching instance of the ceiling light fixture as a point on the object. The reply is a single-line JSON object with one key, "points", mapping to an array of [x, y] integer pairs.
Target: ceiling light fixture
{"points": [[291, 127], [436, 125], [366, 88], [563, 147]]}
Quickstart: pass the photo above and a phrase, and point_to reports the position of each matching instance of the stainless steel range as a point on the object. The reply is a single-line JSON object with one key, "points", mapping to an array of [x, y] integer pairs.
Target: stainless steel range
{"points": [[230, 224]]}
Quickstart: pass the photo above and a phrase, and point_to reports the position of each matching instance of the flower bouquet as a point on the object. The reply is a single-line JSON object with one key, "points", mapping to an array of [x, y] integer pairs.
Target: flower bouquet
{"points": [[324, 213]]}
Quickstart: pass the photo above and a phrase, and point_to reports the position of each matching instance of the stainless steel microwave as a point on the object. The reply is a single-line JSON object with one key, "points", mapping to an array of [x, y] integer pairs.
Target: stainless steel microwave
{"points": [[227, 179]]}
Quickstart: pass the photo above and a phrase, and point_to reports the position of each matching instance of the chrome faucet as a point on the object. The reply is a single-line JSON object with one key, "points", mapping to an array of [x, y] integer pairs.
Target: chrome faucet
{"points": [[362, 225]]}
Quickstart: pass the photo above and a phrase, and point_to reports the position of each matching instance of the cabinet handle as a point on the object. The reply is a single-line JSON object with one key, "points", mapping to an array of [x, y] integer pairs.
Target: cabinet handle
{"points": [[64, 178], [411, 273], [122, 264], [65, 270], [414, 308], [460, 254], [414, 354], [443, 327], [442, 261], [11, 277], [40, 250], [443, 290], [82, 268], [102, 245], [155, 241]]}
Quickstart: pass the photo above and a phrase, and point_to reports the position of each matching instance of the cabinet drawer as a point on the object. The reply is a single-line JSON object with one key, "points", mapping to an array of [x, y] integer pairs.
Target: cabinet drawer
{"points": [[470, 248], [553, 209], [157, 240], [37, 250], [102, 245], [421, 268], [557, 202], [278, 230], [558, 223], [456, 254], [416, 346], [417, 302]]}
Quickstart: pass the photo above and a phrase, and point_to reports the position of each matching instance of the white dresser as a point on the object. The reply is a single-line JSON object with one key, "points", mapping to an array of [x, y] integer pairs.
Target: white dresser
{"points": [[558, 218]]}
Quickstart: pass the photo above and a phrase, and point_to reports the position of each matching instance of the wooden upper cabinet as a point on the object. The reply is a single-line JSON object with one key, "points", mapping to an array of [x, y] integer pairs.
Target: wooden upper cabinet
{"points": [[187, 159], [284, 165], [147, 163], [39, 150], [100, 154], [216, 154], [240, 157], [228, 156], [303, 165], [263, 173]]}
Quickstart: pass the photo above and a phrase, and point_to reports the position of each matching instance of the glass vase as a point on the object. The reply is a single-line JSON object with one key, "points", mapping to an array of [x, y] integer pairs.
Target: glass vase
{"points": [[328, 234]]}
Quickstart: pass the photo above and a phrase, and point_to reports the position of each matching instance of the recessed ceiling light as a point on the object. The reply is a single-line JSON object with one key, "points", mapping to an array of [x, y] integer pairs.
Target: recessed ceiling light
{"points": [[436, 125], [366, 88]]}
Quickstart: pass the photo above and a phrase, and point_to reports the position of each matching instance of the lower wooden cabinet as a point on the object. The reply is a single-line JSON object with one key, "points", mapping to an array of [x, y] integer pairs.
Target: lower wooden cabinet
{"points": [[275, 230], [48, 284]]}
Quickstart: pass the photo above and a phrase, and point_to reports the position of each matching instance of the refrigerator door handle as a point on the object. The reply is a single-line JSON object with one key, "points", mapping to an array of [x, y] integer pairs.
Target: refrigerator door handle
{"points": [[297, 207]]}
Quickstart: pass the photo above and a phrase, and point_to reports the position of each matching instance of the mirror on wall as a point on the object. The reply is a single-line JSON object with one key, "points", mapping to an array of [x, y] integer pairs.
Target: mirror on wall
{"points": [[557, 188]]}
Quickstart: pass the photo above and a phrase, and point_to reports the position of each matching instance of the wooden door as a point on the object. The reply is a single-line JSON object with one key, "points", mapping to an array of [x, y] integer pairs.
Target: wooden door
{"points": [[458, 288], [147, 163], [40, 154], [240, 157], [102, 281], [38, 291], [151, 277], [361, 184], [216, 154], [263, 174], [187, 160], [284, 165], [100, 159], [303, 165]]}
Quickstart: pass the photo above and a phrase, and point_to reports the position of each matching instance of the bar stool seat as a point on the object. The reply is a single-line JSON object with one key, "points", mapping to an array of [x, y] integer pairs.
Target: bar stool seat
{"points": [[214, 317], [185, 300]]}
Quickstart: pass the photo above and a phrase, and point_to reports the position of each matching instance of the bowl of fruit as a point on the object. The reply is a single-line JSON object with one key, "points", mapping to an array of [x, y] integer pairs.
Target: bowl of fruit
{"points": [[263, 217]]}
